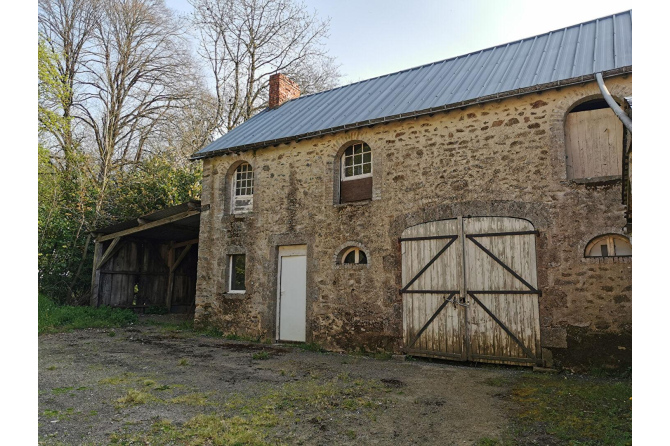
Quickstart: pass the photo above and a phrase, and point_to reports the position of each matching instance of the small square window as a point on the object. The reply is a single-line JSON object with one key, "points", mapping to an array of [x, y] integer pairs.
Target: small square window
{"points": [[237, 273]]}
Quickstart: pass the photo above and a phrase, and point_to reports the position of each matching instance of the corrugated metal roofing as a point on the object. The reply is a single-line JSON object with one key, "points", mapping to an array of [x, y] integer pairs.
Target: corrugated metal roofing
{"points": [[570, 55]]}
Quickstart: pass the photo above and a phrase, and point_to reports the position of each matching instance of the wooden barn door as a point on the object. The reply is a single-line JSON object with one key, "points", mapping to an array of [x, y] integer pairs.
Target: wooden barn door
{"points": [[470, 290], [432, 277]]}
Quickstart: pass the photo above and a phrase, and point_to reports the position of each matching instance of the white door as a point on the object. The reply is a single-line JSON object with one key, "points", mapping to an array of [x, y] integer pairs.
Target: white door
{"points": [[292, 299]]}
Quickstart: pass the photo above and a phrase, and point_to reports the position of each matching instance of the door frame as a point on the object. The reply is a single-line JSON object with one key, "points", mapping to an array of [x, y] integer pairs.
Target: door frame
{"points": [[288, 251]]}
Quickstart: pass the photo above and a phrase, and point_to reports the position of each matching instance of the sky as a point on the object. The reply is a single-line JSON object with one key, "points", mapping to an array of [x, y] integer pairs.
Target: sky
{"points": [[375, 37]]}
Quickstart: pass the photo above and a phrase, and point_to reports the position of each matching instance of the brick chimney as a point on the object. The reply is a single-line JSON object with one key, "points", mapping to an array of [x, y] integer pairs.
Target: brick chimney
{"points": [[282, 89]]}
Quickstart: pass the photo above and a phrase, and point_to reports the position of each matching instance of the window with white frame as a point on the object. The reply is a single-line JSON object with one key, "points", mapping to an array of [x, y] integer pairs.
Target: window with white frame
{"points": [[243, 188], [611, 245], [237, 273], [355, 183], [356, 162]]}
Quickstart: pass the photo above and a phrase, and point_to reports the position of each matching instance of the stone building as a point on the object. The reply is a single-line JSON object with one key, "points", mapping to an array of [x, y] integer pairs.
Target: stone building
{"points": [[468, 209]]}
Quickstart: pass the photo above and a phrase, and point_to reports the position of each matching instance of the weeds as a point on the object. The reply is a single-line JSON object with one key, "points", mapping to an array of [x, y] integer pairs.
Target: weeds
{"points": [[134, 397], [261, 355], [191, 399], [311, 347]]}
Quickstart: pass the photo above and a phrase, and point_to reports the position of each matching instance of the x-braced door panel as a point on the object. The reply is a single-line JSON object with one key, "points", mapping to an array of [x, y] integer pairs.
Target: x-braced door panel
{"points": [[470, 290], [501, 278], [433, 319]]}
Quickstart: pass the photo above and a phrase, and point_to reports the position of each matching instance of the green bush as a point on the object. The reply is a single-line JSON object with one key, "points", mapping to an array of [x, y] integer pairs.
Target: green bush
{"points": [[54, 318]]}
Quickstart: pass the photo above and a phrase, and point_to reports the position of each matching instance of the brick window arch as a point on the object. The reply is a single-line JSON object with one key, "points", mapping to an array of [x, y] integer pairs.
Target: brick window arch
{"points": [[354, 256], [609, 245]]}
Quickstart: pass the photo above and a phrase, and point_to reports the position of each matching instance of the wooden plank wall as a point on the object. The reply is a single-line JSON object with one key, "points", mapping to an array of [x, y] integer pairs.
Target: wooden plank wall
{"points": [[145, 264], [594, 144], [184, 278]]}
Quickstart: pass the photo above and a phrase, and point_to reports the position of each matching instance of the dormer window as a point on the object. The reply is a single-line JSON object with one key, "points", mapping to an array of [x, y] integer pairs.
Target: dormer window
{"points": [[356, 173], [243, 189]]}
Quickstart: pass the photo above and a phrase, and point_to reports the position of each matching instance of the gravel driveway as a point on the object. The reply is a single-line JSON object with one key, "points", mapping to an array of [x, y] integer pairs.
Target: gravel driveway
{"points": [[154, 384]]}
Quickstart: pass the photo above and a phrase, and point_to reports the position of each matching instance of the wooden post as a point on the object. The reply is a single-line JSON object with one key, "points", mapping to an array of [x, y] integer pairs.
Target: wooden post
{"points": [[168, 298], [95, 279]]}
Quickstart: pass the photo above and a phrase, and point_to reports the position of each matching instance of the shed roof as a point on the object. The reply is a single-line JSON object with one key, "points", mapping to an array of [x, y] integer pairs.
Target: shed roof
{"points": [[174, 223], [561, 57]]}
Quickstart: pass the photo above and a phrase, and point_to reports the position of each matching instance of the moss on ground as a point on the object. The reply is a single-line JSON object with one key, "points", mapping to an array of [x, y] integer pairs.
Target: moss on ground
{"points": [[568, 409], [250, 421]]}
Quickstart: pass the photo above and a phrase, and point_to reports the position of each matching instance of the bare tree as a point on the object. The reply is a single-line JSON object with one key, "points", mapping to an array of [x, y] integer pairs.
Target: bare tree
{"points": [[137, 70], [66, 27], [245, 41]]}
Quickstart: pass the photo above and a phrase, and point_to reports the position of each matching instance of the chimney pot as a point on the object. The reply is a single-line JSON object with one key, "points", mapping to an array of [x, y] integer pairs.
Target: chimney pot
{"points": [[282, 89]]}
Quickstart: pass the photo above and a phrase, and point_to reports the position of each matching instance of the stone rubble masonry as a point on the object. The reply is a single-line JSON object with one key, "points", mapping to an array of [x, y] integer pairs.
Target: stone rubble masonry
{"points": [[503, 158], [282, 89]]}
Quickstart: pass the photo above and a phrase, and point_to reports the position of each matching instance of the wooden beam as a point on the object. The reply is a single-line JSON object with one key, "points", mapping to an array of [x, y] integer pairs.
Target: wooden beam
{"points": [[113, 247], [180, 258], [185, 243], [153, 224], [168, 297], [95, 279]]}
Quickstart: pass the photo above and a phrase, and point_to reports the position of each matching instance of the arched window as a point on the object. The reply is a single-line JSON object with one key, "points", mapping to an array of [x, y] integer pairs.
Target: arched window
{"points": [[610, 245], [354, 256], [593, 141], [243, 189], [356, 173]]}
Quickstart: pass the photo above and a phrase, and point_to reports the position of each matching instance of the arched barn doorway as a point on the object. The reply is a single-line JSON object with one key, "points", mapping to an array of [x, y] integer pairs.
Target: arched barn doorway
{"points": [[469, 288]]}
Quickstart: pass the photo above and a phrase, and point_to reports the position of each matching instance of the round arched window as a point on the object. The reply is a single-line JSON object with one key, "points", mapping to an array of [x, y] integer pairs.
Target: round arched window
{"points": [[611, 245], [354, 256]]}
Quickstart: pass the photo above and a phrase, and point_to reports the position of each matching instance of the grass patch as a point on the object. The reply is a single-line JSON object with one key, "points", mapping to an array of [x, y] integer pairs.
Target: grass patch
{"points": [[134, 397], [53, 318], [573, 410], [183, 362], [191, 399], [261, 355], [118, 379], [199, 430], [311, 347], [252, 421]]}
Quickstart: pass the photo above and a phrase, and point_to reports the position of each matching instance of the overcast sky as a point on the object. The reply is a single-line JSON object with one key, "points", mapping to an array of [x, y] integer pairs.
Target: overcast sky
{"points": [[374, 37]]}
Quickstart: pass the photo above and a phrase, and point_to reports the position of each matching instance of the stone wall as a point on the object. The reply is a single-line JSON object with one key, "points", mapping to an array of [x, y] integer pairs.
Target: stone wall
{"points": [[504, 158]]}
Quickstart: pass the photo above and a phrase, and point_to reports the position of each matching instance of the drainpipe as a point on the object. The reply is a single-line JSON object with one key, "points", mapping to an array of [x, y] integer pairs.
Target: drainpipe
{"points": [[612, 103]]}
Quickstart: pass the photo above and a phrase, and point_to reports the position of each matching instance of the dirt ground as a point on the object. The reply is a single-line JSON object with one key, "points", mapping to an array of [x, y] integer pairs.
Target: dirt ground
{"points": [[104, 386]]}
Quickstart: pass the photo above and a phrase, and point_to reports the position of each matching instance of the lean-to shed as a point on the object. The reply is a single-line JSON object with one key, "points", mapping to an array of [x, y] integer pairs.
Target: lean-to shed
{"points": [[148, 262]]}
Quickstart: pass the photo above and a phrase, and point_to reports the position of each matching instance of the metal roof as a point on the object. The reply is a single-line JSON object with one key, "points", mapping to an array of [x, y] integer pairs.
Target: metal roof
{"points": [[562, 57]]}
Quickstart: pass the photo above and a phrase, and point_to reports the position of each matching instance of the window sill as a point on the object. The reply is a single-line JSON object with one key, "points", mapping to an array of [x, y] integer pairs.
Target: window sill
{"points": [[241, 215], [353, 266], [353, 203], [235, 295], [597, 180]]}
